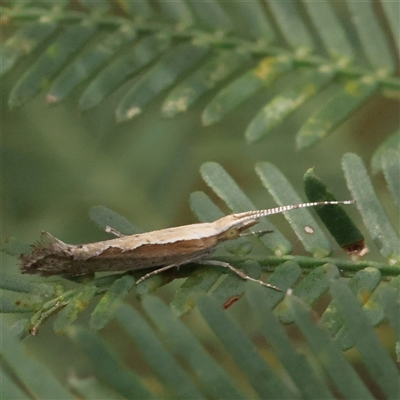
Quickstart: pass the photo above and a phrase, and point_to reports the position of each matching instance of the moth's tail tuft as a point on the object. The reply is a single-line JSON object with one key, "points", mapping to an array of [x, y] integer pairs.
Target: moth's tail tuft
{"points": [[47, 246]]}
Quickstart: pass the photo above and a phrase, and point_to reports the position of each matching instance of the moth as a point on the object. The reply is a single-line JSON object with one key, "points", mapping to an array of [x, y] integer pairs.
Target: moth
{"points": [[161, 249]]}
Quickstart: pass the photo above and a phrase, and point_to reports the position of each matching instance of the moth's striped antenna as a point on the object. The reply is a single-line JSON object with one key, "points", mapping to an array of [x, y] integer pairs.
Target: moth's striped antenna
{"points": [[277, 210]]}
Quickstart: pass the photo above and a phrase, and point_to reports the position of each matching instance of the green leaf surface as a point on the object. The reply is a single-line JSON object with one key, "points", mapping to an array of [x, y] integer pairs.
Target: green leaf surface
{"points": [[227, 189], [107, 367], [372, 212], [109, 303], [307, 85], [233, 287], [214, 380], [309, 290], [373, 310], [346, 380], [19, 303], [49, 63], [334, 111], [104, 217], [212, 15], [125, 66], [20, 284], [376, 359], [87, 64], [362, 284], [157, 356], [178, 11], [15, 247], [23, 42], [391, 170], [242, 88], [166, 72], [392, 11], [75, 306], [335, 218], [309, 384], [262, 378], [284, 194], [391, 304], [199, 282], [291, 25], [392, 142], [38, 380], [138, 8], [253, 21], [9, 389], [330, 29], [371, 35], [202, 81], [91, 388]]}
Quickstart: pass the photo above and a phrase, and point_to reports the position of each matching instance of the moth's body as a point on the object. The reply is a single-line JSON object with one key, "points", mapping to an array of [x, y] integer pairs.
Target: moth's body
{"points": [[159, 248], [165, 248]]}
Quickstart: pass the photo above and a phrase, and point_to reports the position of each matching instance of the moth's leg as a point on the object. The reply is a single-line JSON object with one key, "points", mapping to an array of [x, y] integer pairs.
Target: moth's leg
{"points": [[109, 229], [157, 271], [257, 233], [239, 272]]}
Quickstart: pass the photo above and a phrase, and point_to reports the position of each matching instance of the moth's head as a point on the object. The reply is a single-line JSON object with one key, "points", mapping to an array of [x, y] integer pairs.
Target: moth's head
{"points": [[232, 226]]}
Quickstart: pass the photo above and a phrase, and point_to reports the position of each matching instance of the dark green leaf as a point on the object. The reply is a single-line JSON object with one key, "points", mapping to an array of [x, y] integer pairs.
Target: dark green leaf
{"points": [[242, 88], [128, 64], [335, 218], [23, 42], [291, 24], [138, 8], [161, 76], [92, 388], [56, 55], [330, 30], [335, 111], [86, 65], [371, 35], [178, 11], [203, 80], [307, 85], [212, 15], [9, 389]]}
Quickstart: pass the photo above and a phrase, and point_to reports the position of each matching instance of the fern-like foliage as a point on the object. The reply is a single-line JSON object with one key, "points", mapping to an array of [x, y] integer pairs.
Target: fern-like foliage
{"points": [[182, 367], [185, 50], [177, 356], [289, 271]]}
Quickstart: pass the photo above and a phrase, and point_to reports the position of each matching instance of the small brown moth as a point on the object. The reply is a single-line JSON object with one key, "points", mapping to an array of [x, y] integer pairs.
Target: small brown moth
{"points": [[165, 248]]}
